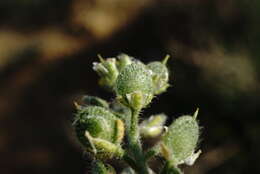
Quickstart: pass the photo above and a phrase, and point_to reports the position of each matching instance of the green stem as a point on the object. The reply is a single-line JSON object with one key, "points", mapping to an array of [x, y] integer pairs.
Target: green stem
{"points": [[137, 160], [134, 136], [170, 169]]}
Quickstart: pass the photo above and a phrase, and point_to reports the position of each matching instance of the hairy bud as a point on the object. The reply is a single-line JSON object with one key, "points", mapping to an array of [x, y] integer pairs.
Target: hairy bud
{"points": [[107, 70], [160, 75], [99, 131], [180, 141], [134, 86]]}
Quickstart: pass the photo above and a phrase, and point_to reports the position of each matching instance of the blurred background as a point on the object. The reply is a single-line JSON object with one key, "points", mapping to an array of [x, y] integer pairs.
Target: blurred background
{"points": [[46, 52]]}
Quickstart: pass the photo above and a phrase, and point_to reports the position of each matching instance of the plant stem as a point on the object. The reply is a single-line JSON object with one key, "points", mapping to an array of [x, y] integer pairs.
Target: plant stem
{"points": [[138, 161], [134, 136], [170, 169]]}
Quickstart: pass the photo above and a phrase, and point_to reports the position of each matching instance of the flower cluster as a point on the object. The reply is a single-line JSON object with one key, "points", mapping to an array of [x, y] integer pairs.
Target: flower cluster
{"points": [[112, 130]]}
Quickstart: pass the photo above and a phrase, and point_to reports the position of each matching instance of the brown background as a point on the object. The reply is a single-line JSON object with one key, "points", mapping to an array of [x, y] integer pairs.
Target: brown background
{"points": [[46, 52]]}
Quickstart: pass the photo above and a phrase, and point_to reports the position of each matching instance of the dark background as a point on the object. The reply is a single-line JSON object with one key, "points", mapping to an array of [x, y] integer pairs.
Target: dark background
{"points": [[46, 52]]}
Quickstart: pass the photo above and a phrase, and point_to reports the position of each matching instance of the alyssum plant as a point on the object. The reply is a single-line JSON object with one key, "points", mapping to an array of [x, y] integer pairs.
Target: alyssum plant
{"points": [[112, 130]]}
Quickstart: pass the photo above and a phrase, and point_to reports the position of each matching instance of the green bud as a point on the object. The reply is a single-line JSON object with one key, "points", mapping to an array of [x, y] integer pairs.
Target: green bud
{"points": [[99, 131], [181, 139], [160, 76], [153, 126], [134, 86], [107, 70]]}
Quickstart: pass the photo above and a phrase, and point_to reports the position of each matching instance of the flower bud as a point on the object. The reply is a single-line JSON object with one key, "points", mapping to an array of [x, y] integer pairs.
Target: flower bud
{"points": [[107, 70], [160, 75], [134, 86], [153, 126], [181, 139], [99, 131]]}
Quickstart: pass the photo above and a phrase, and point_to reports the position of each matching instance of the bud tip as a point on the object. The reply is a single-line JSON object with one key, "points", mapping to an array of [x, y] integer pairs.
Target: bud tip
{"points": [[196, 113], [77, 106], [166, 58], [100, 58]]}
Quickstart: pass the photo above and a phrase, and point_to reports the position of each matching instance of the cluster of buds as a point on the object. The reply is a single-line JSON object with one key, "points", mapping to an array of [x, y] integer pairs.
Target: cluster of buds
{"points": [[108, 69], [101, 126], [134, 82]]}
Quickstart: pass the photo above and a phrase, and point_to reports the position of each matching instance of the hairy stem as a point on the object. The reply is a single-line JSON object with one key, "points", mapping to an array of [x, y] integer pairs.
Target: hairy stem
{"points": [[170, 169], [137, 160], [134, 136]]}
